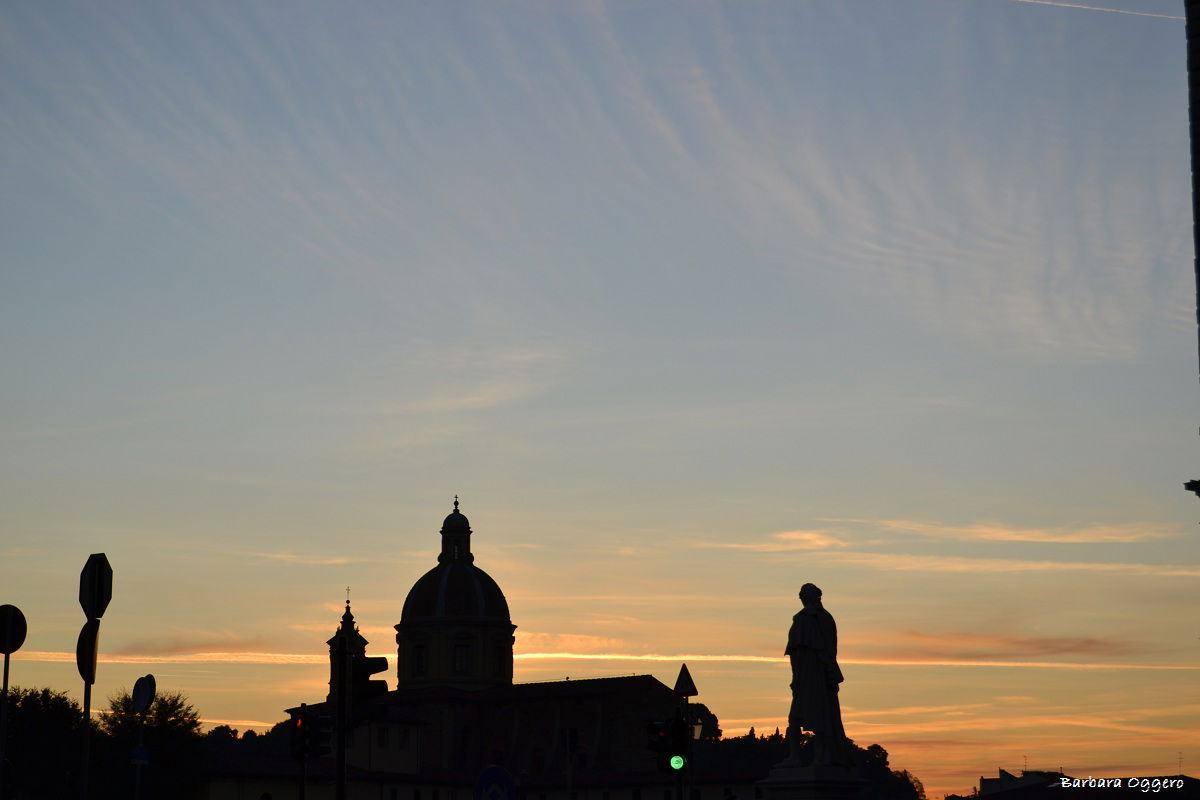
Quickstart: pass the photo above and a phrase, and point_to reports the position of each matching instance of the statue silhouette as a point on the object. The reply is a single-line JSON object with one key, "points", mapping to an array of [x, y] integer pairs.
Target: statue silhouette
{"points": [[812, 647]]}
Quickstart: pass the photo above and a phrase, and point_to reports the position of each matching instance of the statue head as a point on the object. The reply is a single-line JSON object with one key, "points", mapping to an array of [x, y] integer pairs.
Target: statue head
{"points": [[810, 594]]}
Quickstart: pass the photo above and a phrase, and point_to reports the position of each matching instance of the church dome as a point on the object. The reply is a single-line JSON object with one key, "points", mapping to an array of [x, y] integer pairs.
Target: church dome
{"points": [[455, 590], [455, 629]]}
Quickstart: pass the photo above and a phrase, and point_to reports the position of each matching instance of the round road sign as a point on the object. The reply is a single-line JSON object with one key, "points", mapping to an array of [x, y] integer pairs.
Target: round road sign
{"points": [[12, 629], [86, 650], [143, 694]]}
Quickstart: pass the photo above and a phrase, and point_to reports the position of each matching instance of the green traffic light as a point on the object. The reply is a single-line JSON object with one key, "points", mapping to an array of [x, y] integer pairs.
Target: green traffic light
{"points": [[677, 762]]}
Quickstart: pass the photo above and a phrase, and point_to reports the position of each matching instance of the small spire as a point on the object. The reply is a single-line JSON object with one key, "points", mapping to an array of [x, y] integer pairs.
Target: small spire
{"points": [[347, 597], [455, 504]]}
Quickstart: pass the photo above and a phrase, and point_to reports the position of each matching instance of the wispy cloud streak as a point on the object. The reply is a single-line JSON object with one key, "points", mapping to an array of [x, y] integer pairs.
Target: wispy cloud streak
{"points": [[1099, 8], [972, 646], [196, 642], [185, 658], [238, 723], [999, 532], [926, 563], [784, 540], [292, 558], [282, 659], [880, 662]]}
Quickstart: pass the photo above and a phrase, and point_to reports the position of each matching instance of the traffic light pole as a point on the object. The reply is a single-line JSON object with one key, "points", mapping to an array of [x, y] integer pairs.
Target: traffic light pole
{"points": [[691, 744], [342, 723], [300, 738], [685, 687], [687, 764]]}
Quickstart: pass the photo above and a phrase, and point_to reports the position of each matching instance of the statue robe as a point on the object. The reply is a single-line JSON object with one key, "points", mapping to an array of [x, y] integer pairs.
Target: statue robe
{"points": [[812, 646]]}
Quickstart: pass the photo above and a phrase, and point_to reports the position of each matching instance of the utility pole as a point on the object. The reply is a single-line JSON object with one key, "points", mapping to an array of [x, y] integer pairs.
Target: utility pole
{"points": [[1191, 10]]}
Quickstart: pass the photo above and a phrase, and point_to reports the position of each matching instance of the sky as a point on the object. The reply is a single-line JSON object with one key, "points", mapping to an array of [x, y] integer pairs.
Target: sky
{"points": [[690, 303]]}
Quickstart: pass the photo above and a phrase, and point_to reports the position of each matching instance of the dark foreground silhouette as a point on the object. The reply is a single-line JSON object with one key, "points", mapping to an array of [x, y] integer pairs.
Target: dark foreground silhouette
{"points": [[45, 729]]}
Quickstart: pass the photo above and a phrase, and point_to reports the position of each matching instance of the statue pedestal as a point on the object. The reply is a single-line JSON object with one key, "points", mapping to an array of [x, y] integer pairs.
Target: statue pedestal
{"points": [[812, 783]]}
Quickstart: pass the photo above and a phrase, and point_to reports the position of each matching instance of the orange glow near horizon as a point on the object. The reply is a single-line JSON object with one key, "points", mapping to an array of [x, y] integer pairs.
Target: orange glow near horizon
{"points": [[309, 658]]}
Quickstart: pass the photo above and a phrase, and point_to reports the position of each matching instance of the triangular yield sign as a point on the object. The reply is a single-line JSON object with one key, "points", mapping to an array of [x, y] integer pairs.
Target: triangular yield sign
{"points": [[684, 685]]}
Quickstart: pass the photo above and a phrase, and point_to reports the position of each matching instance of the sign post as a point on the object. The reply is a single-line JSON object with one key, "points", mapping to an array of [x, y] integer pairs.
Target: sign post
{"points": [[95, 591], [12, 636], [86, 651], [685, 687], [143, 696]]}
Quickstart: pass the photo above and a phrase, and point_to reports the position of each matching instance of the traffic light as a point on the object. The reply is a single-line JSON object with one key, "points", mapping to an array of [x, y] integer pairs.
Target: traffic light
{"points": [[296, 733], [678, 744], [362, 670], [310, 734], [669, 743], [657, 734]]}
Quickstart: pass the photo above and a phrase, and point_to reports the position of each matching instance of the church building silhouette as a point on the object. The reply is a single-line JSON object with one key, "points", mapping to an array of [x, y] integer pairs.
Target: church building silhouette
{"points": [[455, 710]]}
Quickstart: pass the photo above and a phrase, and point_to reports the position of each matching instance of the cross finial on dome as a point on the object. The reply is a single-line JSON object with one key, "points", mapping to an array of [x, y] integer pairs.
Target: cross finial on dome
{"points": [[456, 503]]}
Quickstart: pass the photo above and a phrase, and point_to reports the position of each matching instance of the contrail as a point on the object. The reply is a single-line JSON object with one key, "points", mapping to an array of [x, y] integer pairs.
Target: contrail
{"points": [[281, 659], [184, 658], [1099, 8], [875, 662]]}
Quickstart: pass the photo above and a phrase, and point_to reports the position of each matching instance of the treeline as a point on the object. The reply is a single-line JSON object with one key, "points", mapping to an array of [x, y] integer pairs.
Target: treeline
{"points": [[44, 753], [758, 753]]}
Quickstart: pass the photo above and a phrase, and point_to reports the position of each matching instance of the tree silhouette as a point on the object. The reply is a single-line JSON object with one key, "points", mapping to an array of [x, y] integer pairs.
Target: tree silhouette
{"points": [[42, 752], [885, 782], [169, 715], [710, 730], [760, 753], [171, 735]]}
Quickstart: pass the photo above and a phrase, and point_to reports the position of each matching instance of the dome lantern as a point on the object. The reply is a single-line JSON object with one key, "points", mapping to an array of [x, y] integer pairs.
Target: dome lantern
{"points": [[456, 537]]}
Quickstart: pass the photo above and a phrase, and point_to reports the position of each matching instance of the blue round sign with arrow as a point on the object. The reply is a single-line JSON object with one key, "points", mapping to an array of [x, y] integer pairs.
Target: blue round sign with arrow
{"points": [[495, 783]]}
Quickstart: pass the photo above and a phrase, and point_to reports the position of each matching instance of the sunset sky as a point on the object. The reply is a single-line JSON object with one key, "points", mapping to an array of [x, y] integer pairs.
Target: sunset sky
{"points": [[690, 302]]}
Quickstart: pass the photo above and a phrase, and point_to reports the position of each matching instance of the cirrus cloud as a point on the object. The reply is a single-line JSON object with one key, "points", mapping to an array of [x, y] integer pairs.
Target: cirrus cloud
{"points": [[784, 540], [1000, 532]]}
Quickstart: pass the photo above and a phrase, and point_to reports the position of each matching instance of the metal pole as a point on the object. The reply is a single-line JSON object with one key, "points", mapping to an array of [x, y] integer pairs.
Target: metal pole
{"points": [[87, 740], [3, 725], [137, 768], [688, 753], [306, 736], [691, 748], [1191, 10], [342, 721]]}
